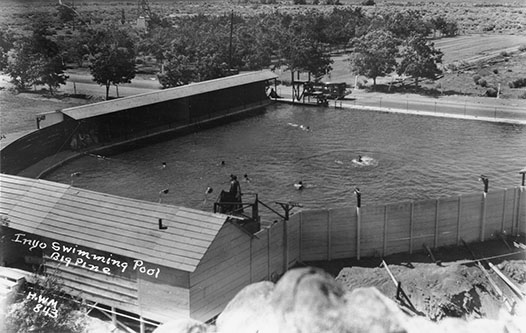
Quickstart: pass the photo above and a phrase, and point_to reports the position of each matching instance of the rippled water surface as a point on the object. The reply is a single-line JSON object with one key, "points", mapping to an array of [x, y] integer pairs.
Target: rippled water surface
{"points": [[408, 158]]}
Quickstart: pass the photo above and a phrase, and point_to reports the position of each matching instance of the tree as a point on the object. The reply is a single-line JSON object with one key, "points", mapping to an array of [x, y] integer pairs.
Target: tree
{"points": [[419, 59], [48, 308], [114, 59], [374, 54], [156, 41], [52, 73], [66, 13], [179, 71], [6, 44], [450, 29], [36, 60], [437, 24], [22, 66], [404, 24]]}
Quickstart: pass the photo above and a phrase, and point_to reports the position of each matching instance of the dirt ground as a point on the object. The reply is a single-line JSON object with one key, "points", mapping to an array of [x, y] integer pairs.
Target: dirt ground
{"points": [[456, 287]]}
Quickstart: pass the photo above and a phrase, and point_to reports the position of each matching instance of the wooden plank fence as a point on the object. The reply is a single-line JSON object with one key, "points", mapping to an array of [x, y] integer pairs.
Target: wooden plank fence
{"points": [[328, 234]]}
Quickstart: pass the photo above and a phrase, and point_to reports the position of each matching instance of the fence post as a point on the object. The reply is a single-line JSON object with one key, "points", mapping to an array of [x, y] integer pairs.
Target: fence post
{"points": [[285, 246], [268, 253], [299, 236], [385, 231], [329, 222], [513, 211], [358, 232], [483, 217], [411, 213], [437, 202], [459, 214], [502, 227], [520, 188], [251, 257]]}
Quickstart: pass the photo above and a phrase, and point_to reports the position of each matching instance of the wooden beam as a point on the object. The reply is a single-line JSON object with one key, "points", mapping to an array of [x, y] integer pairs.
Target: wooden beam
{"points": [[438, 262], [509, 305], [116, 322], [512, 285]]}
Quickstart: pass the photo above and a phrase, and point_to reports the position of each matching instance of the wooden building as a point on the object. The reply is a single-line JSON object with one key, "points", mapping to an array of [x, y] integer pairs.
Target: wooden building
{"points": [[157, 261]]}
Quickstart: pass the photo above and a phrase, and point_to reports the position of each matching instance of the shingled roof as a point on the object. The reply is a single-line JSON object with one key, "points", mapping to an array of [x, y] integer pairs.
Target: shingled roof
{"points": [[121, 104], [110, 223]]}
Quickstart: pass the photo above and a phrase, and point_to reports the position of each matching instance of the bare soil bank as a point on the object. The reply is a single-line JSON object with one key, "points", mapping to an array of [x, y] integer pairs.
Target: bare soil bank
{"points": [[455, 288]]}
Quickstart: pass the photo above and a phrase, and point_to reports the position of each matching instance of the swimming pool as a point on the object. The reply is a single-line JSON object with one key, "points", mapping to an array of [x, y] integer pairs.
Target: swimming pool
{"points": [[409, 158]]}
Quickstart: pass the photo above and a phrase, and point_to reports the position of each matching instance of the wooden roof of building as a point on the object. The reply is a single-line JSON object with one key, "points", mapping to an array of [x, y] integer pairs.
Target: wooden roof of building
{"points": [[101, 108], [109, 223]]}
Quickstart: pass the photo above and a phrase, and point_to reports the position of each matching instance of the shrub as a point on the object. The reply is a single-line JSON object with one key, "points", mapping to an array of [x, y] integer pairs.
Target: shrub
{"points": [[522, 48], [491, 92], [496, 71], [368, 3], [488, 27], [519, 83], [476, 78], [483, 83], [523, 95], [28, 312], [504, 54]]}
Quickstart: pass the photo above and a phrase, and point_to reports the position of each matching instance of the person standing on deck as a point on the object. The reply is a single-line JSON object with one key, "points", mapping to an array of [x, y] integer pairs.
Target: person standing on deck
{"points": [[235, 191]]}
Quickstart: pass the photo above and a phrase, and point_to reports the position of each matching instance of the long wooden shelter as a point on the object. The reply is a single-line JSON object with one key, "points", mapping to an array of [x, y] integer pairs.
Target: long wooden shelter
{"points": [[124, 123]]}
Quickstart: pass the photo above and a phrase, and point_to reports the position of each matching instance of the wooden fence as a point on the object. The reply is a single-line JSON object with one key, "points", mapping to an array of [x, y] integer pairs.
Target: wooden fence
{"points": [[328, 234]]}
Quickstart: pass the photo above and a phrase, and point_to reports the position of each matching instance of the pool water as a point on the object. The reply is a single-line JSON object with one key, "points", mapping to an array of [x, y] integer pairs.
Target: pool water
{"points": [[404, 157]]}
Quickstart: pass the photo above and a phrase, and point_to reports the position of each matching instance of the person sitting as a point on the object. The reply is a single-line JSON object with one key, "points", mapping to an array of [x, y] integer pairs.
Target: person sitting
{"points": [[360, 158], [299, 185], [274, 94]]}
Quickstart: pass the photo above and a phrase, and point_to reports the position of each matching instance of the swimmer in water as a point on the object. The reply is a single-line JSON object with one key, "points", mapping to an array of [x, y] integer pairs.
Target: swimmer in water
{"points": [[163, 165], [299, 185], [305, 128], [222, 163], [245, 178]]}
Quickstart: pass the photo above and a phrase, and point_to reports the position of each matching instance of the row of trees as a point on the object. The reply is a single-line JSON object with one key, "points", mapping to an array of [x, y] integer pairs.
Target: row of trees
{"points": [[41, 58], [204, 47], [376, 54]]}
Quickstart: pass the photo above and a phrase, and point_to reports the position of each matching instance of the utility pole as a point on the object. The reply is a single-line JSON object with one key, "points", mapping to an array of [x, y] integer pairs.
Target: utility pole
{"points": [[230, 43]]}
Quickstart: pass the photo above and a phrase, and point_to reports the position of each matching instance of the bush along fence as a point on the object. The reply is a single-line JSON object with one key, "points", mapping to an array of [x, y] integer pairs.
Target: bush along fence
{"points": [[355, 232]]}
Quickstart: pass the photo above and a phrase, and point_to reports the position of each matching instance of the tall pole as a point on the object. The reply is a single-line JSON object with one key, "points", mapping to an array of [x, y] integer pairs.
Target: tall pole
{"points": [[231, 34]]}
